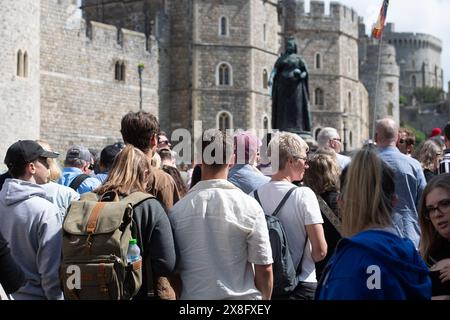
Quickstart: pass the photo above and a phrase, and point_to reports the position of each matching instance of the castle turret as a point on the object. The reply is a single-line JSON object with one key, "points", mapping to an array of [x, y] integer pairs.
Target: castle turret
{"points": [[386, 101], [19, 71]]}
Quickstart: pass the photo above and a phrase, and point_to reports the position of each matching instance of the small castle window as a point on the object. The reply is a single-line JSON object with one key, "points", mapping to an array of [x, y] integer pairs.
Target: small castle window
{"points": [[25, 64], [265, 123], [19, 63], [390, 109], [390, 86], [224, 76], [318, 62], [265, 79], [224, 120], [349, 65], [318, 97], [413, 82], [350, 137], [223, 26], [119, 71], [264, 32], [413, 64], [349, 101]]}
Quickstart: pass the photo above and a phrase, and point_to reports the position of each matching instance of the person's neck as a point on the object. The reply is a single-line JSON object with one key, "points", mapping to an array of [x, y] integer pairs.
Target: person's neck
{"points": [[386, 144], [282, 176], [209, 173]]}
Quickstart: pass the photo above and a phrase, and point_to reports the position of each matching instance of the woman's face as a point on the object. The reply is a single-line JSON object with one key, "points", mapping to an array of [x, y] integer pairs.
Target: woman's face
{"points": [[437, 203]]}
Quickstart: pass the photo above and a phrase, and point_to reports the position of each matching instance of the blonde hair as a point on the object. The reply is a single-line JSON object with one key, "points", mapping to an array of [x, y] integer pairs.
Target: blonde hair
{"points": [[323, 172], [129, 172], [367, 193], [427, 154], [288, 145], [430, 240], [55, 170]]}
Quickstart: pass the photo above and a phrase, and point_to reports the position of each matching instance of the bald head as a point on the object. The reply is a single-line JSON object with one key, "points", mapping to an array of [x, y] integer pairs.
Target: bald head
{"points": [[386, 132]]}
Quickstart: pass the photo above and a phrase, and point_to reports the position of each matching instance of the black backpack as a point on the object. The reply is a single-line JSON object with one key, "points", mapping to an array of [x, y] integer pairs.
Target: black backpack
{"points": [[284, 271]]}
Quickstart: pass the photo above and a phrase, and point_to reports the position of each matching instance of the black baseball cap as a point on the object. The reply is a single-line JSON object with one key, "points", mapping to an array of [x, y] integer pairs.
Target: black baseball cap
{"points": [[26, 151]]}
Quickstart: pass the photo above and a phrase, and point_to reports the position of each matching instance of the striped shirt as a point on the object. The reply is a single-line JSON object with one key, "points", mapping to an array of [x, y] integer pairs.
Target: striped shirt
{"points": [[444, 165]]}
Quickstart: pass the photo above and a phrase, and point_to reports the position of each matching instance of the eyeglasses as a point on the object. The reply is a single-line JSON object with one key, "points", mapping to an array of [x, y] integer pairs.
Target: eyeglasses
{"points": [[443, 207], [302, 158], [336, 139], [165, 142], [401, 141]]}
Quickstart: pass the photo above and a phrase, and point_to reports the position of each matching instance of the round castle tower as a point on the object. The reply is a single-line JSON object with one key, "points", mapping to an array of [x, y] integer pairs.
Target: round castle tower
{"points": [[19, 72], [387, 102], [419, 57]]}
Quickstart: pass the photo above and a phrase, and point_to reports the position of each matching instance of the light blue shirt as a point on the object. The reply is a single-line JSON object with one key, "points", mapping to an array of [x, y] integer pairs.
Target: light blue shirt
{"points": [[87, 185], [409, 185], [246, 177]]}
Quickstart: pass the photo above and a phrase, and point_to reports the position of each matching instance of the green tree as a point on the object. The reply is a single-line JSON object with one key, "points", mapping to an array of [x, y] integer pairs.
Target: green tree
{"points": [[428, 94]]}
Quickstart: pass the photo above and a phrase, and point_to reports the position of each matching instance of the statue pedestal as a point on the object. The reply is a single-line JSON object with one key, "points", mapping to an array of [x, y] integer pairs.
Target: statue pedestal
{"points": [[307, 136]]}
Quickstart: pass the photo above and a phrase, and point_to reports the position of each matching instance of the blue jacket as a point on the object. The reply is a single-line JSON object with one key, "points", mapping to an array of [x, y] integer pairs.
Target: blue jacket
{"points": [[360, 261]]}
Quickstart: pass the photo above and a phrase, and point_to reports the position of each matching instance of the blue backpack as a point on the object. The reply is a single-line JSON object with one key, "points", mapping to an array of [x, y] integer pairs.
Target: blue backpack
{"points": [[284, 271]]}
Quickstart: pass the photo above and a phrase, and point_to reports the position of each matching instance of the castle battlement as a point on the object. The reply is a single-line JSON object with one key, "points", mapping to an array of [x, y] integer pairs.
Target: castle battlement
{"points": [[411, 39], [340, 18]]}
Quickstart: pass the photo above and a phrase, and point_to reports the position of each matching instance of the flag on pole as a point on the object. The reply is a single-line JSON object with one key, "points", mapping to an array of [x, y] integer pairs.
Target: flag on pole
{"points": [[379, 26]]}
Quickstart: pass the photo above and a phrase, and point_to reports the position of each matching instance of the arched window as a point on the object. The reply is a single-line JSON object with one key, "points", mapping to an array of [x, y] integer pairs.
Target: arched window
{"points": [[317, 133], [318, 62], [122, 71], [224, 75], [413, 63], [266, 123], [413, 82], [265, 79], [19, 63], [25, 64], [117, 71], [223, 26], [318, 97], [350, 138], [390, 109], [224, 120], [349, 102]]}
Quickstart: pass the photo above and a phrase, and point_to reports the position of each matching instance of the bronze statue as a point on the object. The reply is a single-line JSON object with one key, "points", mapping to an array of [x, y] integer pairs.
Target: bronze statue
{"points": [[290, 93]]}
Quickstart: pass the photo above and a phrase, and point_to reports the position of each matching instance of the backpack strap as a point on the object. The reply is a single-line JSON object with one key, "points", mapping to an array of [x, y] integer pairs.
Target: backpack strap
{"points": [[326, 210], [75, 184], [137, 197], [282, 202]]}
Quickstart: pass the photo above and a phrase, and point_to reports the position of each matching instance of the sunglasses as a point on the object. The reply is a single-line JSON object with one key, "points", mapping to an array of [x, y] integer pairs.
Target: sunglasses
{"points": [[91, 166], [443, 207]]}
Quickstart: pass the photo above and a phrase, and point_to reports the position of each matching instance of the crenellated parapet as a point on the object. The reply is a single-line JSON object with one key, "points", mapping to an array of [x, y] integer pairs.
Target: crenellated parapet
{"points": [[339, 18]]}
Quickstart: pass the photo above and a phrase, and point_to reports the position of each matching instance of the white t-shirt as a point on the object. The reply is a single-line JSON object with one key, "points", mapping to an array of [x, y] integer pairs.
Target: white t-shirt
{"points": [[219, 233], [301, 209]]}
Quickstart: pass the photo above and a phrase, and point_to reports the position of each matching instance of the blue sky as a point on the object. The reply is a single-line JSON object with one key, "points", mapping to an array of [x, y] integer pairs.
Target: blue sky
{"points": [[430, 17]]}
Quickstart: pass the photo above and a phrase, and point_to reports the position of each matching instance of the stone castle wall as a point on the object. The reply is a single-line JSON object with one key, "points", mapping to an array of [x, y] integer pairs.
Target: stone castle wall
{"points": [[334, 37], [19, 95], [81, 101]]}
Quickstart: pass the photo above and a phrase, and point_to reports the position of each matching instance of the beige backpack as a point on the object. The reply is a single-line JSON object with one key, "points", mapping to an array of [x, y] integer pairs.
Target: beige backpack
{"points": [[96, 235]]}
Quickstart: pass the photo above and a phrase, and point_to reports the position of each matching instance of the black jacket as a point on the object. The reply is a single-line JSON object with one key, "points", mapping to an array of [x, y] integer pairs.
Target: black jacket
{"points": [[155, 241], [11, 276]]}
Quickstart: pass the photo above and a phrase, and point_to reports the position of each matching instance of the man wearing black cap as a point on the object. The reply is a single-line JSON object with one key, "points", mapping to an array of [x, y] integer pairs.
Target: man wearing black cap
{"points": [[107, 157], [29, 222]]}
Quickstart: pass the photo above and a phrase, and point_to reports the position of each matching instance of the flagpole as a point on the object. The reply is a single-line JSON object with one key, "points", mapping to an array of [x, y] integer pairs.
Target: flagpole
{"points": [[376, 88]]}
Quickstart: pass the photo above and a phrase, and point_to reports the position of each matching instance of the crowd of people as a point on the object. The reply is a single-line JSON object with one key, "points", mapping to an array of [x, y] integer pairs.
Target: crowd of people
{"points": [[373, 224]]}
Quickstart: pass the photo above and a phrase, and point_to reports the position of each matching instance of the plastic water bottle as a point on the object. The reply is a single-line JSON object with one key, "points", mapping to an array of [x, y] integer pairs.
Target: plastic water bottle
{"points": [[134, 253]]}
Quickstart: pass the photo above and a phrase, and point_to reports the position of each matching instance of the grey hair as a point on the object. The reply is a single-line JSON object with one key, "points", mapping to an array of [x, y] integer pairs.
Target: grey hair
{"points": [[325, 135], [288, 145]]}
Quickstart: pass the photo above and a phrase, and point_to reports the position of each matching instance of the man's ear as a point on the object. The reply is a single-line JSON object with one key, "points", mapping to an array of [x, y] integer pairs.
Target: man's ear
{"points": [[31, 168], [154, 140]]}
